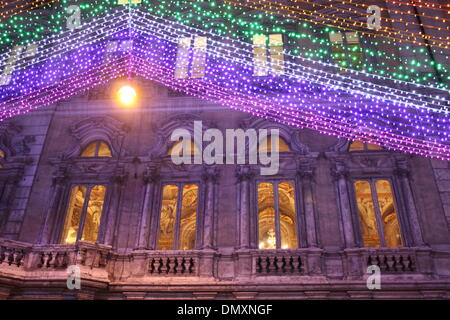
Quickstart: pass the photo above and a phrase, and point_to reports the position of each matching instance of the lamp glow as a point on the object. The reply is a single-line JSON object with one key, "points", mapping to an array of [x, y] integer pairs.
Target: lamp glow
{"points": [[127, 95]]}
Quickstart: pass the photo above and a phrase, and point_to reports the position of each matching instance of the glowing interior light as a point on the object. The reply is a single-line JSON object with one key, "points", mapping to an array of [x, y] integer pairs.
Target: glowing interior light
{"points": [[127, 95]]}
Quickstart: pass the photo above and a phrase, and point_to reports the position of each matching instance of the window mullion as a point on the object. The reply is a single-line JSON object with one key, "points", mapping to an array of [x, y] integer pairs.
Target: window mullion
{"points": [[97, 148], [178, 217], [277, 215], [377, 212], [83, 213]]}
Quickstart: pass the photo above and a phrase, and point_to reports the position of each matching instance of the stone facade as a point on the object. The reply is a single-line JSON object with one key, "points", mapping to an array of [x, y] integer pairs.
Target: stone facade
{"points": [[42, 161]]}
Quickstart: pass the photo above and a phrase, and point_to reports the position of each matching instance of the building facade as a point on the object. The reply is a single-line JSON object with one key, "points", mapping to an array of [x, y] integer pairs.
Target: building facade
{"points": [[92, 184], [88, 188]]}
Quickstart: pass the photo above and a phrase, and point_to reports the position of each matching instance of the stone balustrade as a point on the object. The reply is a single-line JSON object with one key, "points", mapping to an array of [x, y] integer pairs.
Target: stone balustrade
{"points": [[51, 257], [282, 264], [163, 263], [416, 260], [202, 263]]}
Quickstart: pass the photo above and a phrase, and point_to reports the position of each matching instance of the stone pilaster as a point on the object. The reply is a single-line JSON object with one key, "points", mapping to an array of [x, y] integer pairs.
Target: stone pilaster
{"points": [[244, 175], [340, 173], [151, 177], [402, 174], [306, 174], [51, 215], [112, 220], [209, 176]]}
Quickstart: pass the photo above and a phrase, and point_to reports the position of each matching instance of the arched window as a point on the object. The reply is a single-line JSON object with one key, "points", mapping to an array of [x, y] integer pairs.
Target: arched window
{"points": [[83, 214], [361, 146], [277, 216], [377, 213], [97, 149], [177, 149], [178, 217], [266, 145]]}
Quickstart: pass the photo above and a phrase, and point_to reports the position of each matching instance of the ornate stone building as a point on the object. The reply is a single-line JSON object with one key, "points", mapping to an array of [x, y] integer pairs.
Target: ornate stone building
{"points": [[86, 182], [89, 183]]}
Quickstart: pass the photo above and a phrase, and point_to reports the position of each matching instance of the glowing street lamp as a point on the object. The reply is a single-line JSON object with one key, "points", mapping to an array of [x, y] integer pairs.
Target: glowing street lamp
{"points": [[127, 95]]}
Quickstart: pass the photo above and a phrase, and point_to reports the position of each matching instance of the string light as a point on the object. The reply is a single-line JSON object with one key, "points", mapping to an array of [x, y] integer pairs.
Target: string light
{"points": [[311, 98], [31, 28]]}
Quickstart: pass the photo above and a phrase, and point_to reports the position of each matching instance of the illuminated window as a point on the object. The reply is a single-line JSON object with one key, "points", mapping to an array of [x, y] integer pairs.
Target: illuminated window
{"points": [[346, 50], [184, 56], [199, 59], [277, 217], [97, 149], [266, 145], [276, 54], [83, 213], [177, 149], [2, 159], [178, 217], [361, 146], [377, 214], [260, 55], [128, 1]]}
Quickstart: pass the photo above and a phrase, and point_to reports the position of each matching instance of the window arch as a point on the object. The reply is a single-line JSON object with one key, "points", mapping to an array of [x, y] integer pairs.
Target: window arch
{"points": [[83, 214], [97, 149], [266, 145], [358, 145]]}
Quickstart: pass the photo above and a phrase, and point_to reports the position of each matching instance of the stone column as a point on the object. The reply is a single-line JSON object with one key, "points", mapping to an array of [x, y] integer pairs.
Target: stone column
{"points": [[112, 225], [244, 175], [51, 217], [339, 172], [151, 177], [402, 174], [209, 176], [306, 174]]}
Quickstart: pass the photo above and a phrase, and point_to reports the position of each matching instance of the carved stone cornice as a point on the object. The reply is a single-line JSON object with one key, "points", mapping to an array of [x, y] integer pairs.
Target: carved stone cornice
{"points": [[244, 173]]}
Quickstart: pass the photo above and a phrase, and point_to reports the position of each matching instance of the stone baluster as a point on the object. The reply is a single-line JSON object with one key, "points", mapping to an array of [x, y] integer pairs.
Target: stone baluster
{"points": [[151, 177], [402, 174], [339, 172]]}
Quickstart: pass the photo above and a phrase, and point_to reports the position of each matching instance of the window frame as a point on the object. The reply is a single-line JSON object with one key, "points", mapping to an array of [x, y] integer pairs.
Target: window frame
{"points": [[300, 223], [365, 146], [399, 212], [68, 195], [198, 226], [97, 149]]}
